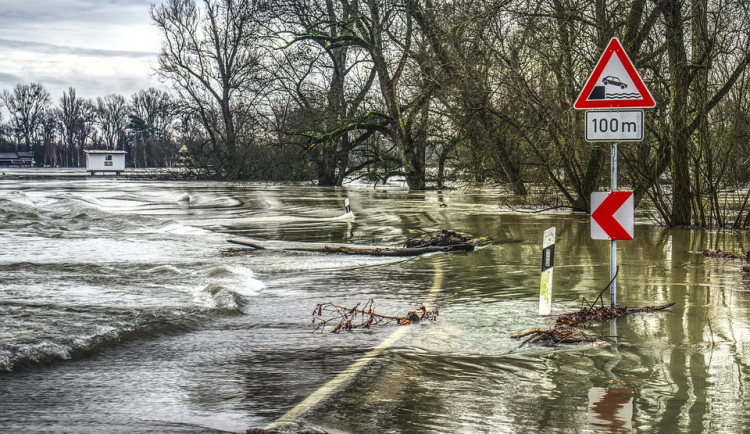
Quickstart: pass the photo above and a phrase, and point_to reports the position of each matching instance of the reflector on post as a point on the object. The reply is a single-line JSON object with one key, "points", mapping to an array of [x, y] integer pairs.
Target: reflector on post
{"points": [[548, 263]]}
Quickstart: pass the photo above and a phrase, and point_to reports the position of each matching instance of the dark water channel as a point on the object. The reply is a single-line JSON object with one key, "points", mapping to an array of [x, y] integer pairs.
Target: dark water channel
{"points": [[124, 309]]}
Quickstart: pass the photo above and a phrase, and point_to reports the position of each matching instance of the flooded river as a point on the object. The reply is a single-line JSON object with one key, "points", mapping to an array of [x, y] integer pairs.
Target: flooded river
{"points": [[124, 309]]}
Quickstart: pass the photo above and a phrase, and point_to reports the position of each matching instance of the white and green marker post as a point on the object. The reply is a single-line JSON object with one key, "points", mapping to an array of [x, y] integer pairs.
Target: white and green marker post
{"points": [[548, 263]]}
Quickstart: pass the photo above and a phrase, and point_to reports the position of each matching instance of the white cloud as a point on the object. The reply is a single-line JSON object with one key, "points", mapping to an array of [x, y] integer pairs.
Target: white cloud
{"points": [[98, 47]]}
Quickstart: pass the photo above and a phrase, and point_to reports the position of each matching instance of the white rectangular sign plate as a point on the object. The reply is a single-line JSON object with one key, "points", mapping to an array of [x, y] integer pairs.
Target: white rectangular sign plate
{"points": [[614, 125]]}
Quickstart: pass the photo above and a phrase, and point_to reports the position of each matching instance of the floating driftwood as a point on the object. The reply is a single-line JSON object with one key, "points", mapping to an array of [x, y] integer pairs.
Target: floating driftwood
{"points": [[442, 238], [441, 241], [364, 317], [280, 431], [721, 254], [570, 327]]}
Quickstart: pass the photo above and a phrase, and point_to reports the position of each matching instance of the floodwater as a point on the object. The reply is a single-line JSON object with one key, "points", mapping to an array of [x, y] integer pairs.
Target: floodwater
{"points": [[124, 309]]}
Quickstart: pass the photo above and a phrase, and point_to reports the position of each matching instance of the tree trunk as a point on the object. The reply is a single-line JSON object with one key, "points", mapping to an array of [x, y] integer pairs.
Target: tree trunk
{"points": [[678, 135]]}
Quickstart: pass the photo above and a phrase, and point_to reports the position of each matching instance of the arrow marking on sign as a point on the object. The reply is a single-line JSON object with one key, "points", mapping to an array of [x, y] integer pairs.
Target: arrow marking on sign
{"points": [[604, 215]]}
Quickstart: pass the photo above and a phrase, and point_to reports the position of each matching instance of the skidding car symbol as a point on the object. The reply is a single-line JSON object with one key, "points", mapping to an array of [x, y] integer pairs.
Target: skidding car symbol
{"points": [[610, 79]]}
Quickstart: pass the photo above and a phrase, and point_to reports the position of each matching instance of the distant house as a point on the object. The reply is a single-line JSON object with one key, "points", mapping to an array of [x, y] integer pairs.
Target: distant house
{"points": [[16, 159], [105, 161]]}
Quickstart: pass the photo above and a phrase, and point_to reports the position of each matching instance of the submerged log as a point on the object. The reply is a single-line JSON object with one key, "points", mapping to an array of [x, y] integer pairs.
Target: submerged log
{"points": [[450, 243], [442, 238]]}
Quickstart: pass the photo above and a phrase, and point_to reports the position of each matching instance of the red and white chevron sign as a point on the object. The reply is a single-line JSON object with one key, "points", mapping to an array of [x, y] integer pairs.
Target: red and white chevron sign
{"points": [[612, 215]]}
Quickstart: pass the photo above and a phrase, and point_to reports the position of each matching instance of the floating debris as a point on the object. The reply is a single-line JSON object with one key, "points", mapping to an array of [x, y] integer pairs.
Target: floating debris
{"points": [[569, 327], [721, 254], [440, 241], [443, 238], [276, 431], [364, 317]]}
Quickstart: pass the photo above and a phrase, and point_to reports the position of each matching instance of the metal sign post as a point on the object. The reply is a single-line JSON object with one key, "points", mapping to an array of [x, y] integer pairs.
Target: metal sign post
{"points": [[612, 91], [613, 243]]}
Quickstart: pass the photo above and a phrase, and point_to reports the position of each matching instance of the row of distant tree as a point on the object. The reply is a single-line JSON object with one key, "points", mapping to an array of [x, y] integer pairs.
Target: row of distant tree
{"points": [[328, 89], [324, 90], [145, 125]]}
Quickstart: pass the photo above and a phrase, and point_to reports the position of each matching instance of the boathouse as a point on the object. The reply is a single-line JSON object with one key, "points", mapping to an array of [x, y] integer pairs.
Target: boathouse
{"points": [[16, 159], [105, 161]]}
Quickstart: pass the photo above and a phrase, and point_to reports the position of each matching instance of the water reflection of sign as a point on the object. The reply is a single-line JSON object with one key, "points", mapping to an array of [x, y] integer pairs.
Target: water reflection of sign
{"points": [[611, 408]]}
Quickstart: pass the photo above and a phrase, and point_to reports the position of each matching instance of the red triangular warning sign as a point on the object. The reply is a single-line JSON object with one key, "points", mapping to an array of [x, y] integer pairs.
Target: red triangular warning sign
{"points": [[614, 83]]}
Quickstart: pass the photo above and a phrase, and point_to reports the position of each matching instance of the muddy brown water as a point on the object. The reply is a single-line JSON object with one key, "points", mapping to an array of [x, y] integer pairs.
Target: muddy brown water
{"points": [[123, 308]]}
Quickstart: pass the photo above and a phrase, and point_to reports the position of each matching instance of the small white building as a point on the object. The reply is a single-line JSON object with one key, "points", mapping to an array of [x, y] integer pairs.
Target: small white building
{"points": [[105, 161]]}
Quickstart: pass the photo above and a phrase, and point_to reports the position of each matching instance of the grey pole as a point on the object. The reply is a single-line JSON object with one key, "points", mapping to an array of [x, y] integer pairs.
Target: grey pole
{"points": [[613, 243]]}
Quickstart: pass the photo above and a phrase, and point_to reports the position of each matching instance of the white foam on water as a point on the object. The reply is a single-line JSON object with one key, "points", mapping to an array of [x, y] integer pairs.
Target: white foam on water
{"points": [[347, 216], [229, 285], [164, 269]]}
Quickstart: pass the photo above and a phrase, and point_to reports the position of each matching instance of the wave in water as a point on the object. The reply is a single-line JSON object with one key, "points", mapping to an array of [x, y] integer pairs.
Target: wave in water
{"points": [[79, 339], [230, 285], [46, 321]]}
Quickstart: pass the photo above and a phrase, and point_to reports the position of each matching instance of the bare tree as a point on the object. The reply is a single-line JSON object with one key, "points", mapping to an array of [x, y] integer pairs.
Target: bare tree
{"points": [[209, 52], [112, 118], [76, 117], [26, 104], [402, 61], [692, 50], [152, 113], [463, 36], [50, 134], [320, 47]]}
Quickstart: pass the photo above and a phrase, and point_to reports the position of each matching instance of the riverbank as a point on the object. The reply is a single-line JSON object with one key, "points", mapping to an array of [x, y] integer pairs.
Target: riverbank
{"points": [[80, 172]]}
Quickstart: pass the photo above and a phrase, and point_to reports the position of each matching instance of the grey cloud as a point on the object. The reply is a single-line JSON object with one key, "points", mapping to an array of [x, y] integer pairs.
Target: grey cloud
{"points": [[73, 11], [10, 78], [86, 86], [40, 47]]}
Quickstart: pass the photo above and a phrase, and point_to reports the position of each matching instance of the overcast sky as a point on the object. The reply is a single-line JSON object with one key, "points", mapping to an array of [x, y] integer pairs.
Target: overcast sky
{"points": [[98, 47]]}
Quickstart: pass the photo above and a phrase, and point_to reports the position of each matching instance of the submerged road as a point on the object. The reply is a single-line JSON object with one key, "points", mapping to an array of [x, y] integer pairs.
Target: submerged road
{"points": [[327, 389]]}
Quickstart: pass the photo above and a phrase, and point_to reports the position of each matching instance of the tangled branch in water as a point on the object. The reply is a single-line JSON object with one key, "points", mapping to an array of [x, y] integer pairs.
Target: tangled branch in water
{"points": [[364, 317], [569, 327]]}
